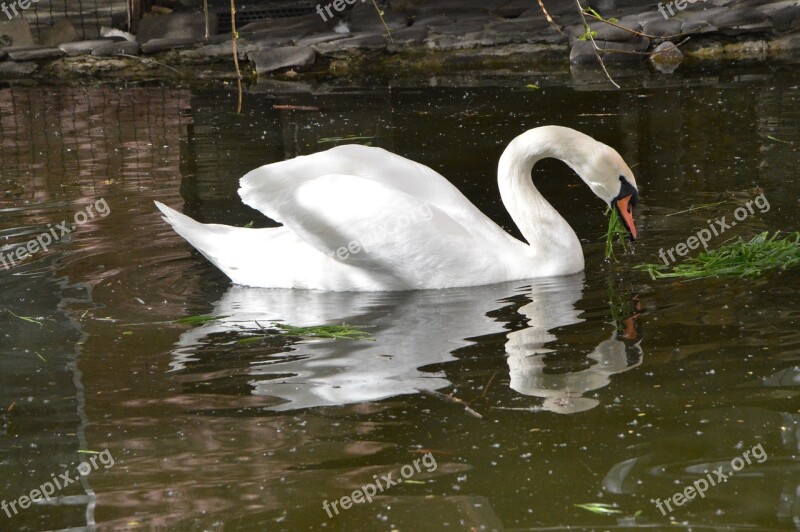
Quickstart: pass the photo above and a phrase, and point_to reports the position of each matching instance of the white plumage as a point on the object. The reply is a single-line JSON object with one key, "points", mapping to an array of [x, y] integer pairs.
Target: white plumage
{"points": [[357, 218]]}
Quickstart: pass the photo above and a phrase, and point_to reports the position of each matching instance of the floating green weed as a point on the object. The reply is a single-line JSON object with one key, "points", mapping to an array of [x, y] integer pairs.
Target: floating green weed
{"points": [[25, 318], [336, 332], [198, 320], [696, 208], [739, 258], [599, 508]]}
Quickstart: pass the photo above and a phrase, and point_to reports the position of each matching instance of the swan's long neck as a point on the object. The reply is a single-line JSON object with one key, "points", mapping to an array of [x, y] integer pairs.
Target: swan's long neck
{"points": [[542, 226]]}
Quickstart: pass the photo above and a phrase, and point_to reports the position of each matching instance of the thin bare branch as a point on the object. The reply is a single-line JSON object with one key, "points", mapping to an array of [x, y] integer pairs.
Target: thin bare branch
{"points": [[450, 399], [594, 44], [236, 54], [548, 17], [618, 51], [601, 19]]}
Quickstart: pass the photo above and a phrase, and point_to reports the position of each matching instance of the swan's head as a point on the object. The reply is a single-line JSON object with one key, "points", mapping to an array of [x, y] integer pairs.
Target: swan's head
{"points": [[612, 181]]}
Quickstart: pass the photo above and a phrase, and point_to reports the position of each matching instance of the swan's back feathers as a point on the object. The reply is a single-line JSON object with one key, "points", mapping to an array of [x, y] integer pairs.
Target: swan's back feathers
{"points": [[271, 188]]}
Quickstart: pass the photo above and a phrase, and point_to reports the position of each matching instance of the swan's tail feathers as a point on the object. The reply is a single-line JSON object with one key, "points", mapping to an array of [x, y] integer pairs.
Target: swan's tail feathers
{"points": [[208, 239]]}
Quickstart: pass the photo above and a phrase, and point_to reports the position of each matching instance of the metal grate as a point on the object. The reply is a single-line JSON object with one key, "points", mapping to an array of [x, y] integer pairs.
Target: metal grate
{"points": [[263, 11], [88, 16]]}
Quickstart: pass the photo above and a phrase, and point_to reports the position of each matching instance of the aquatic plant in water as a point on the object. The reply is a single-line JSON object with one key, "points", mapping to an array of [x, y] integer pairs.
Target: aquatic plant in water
{"points": [[740, 258]]}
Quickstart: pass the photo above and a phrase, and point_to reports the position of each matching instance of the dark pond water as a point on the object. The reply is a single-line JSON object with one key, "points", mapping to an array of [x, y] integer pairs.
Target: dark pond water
{"points": [[601, 388]]}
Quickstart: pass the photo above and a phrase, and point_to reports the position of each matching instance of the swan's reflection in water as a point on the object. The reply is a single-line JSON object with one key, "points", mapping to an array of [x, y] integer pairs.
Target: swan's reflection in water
{"points": [[412, 331], [527, 355]]}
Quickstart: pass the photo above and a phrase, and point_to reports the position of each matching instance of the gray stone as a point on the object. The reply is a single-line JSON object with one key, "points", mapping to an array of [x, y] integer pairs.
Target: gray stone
{"points": [[759, 27], [308, 23], [699, 21], [279, 58], [361, 42], [661, 28], [16, 32], [35, 55], [254, 43], [786, 19], [512, 9], [447, 43], [175, 26], [434, 21], [117, 48], [666, 53], [772, 7], [738, 21], [11, 70], [318, 39], [565, 16], [209, 51], [583, 53], [625, 51], [363, 18], [219, 39], [695, 26], [463, 9], [285, 35], [604, 32], [413, 35], [461, 28], [453, 9], [11, 49], [59, 33], [751, 3], [83, 47], [153, 46], [737, 17], [524, 30]]}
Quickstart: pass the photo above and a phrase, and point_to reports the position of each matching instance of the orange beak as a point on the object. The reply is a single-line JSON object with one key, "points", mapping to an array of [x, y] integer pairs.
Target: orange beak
{"points": [[625, 211]]}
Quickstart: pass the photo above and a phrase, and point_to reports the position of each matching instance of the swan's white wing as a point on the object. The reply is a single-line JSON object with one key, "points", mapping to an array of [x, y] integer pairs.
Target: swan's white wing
{"points": [[271, 188], [379, 229], [414, 227]]}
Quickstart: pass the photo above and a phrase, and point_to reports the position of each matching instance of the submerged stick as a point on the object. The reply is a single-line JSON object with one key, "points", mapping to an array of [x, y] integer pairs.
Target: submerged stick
{"points": [[450, 399]]}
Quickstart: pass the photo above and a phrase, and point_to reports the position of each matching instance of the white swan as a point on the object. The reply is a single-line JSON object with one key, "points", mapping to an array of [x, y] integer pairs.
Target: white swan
{"points": [[357, 218]]}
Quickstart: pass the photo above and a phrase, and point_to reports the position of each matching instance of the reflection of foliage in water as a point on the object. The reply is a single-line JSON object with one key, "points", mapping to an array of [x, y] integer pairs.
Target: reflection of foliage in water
{"points": [[624, 307]]}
